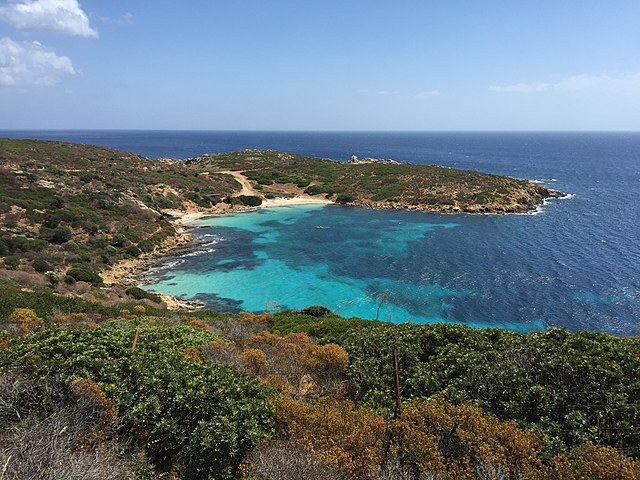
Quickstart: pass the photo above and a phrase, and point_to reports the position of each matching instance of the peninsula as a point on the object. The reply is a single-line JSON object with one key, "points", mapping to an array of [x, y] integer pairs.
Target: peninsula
{"points": [[378, 183]]}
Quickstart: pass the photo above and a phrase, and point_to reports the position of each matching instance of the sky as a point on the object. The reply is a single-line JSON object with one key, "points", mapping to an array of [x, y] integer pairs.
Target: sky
{"points": [[422, 65]]}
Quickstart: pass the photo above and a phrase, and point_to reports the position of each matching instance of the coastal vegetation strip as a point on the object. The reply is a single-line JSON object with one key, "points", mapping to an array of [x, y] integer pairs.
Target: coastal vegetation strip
{"points": [[380, 184]]}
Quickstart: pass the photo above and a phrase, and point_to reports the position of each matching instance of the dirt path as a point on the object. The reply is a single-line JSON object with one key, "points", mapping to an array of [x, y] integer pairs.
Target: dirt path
{"points": [[247, 189]]}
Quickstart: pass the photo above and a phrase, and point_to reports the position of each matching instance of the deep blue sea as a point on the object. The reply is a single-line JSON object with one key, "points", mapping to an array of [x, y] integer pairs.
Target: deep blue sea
{"points": [[573, 264]]}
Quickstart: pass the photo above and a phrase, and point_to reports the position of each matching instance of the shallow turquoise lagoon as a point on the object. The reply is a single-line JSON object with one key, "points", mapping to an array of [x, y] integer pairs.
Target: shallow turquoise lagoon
{"points": [[359, 263]]}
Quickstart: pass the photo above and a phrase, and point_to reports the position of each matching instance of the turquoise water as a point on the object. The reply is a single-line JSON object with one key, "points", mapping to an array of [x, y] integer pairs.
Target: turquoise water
{"points": [[339, 257]]}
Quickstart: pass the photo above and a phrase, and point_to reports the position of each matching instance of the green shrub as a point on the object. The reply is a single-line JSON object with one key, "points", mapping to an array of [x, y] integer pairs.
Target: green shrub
{"points": [[85, 275], [317, 311], [329, 328], [41, 265], [196, 416], [56, 235], [53, 277], [12, 262], [19, 243], [72, 246], [249, 200], [119, 240], [139, 294], [146, 245], [346, 198], [314, 190], [133, 251]]}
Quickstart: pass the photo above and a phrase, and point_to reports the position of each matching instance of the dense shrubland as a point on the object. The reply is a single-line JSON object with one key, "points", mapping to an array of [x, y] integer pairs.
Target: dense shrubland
{"points": [[209, 395], [568, 387]]}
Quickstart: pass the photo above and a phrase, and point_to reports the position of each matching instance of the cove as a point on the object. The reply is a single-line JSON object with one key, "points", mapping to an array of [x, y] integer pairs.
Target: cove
{"points": [[359, 263]]}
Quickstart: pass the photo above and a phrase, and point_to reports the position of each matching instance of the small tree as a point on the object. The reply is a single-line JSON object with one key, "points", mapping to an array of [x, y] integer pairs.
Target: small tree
{"points": [[382, 298], [53, 277]]}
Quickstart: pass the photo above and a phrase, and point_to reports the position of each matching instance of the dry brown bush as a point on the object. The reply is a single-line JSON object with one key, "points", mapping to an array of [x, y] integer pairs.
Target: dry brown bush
{"points": [[26, 279], [292, 363], [25, 320], [277, 460], [49, 431], [193, 322], [594, 462], [76, 319], [241, 328], [223, 352], [464, 442], [341, 434]]}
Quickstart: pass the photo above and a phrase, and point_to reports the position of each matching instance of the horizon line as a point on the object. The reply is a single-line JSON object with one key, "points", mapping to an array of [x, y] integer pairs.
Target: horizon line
{"points": [[299, 131]]}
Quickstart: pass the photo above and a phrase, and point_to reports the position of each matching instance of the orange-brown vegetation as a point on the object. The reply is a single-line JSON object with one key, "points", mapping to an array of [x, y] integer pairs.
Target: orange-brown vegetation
{"points": [[463, 441], [433, 439], [102, 407], [194, 322], [291, 363], [590, 461], [26, 319], [192, 353], [340, 433]]}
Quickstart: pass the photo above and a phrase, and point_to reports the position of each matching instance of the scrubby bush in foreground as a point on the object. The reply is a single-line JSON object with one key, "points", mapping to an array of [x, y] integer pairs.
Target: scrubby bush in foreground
{"points": [[51, 430], [568, 387], [195, 417], [430, 440]]}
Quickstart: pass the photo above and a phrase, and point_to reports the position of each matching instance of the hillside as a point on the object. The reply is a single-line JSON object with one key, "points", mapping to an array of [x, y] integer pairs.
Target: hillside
{"points": [[76, 210]]}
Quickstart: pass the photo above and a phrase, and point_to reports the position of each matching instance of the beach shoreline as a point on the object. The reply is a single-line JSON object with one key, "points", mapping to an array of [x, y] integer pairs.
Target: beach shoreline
{"points": [[132, 271]]}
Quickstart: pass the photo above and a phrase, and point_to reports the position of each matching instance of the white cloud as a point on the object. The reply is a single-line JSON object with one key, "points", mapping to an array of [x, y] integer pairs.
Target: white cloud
{"points": [[386, 92], [58, 16], [29, 63], [628, 83], [428, 94]]}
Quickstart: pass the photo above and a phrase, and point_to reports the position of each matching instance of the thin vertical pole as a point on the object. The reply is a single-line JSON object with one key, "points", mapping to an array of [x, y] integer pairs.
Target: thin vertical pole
{"points": [[396, 385], [135, 339]]}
